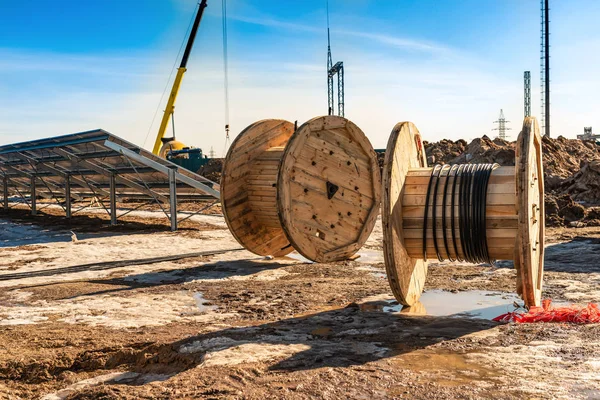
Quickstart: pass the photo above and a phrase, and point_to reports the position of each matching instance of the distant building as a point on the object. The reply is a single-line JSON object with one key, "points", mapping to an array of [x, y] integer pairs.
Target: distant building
{"points": [[588, 135]]}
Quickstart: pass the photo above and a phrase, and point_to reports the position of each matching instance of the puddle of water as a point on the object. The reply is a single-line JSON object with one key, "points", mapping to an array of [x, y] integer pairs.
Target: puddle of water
{"points": [[203, 305], [370, 257], [474, 303], [299, 257], [448, 369]]}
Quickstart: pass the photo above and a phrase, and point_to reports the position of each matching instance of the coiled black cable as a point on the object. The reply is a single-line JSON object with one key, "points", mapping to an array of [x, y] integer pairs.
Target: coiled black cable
{"points": [[472, 182], [444, 206]]}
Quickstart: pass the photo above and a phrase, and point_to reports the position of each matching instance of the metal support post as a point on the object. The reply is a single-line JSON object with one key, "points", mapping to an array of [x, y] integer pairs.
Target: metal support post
{"points": [[33, 197], [113, 199], [68, 195], [5, 199], [173, 197]]}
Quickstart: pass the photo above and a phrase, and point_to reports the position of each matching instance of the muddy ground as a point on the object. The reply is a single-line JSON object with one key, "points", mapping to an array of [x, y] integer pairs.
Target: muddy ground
{"points": [[89, 311]]}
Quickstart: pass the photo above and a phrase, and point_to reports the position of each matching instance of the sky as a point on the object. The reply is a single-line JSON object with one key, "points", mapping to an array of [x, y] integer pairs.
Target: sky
{"points": [[448, 66]]}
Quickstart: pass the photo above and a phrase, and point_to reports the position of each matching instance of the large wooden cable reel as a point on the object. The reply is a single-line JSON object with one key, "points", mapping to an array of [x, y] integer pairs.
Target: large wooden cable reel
{"points": [[315, 189], [513, 214]]}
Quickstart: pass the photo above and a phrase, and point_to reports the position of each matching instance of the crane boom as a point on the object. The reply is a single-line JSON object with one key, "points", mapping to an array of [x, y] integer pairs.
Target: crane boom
{"points": [[178, 78]]}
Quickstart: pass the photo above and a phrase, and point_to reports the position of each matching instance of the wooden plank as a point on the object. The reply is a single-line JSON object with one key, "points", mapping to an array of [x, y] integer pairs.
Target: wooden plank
{"points": [[491, 200], [491, 211], [500, 243], [490, 233], [491, 222], [495, 253]]}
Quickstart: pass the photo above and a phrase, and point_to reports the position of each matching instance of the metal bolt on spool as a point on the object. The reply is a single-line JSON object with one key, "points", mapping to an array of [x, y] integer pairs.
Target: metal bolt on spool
{"points": [[470, 212], [315, 189]]}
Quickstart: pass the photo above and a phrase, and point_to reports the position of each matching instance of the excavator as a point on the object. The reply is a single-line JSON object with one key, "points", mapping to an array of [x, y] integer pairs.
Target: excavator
{"points": [[170, 147]]}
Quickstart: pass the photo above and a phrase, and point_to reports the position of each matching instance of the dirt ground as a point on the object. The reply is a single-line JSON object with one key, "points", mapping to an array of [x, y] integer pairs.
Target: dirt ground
{"points": [[89, 311]]}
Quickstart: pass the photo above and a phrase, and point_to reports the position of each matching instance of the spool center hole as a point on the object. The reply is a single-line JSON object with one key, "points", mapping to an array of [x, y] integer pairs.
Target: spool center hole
{"points": [[331, 190]]}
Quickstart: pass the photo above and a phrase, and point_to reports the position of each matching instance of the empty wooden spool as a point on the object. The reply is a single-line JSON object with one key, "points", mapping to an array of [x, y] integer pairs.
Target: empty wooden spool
{"points": [[514, 223], [315, 190]]}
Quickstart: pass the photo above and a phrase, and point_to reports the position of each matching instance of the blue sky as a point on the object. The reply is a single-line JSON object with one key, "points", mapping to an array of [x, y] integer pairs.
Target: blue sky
{"points": [[449, 66]]}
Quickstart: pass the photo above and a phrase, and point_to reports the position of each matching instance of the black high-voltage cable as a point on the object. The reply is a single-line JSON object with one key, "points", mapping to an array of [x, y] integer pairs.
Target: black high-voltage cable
{"points": [[434, 211], [426, 214], [472, 181], [457, 174], [444, 205]]}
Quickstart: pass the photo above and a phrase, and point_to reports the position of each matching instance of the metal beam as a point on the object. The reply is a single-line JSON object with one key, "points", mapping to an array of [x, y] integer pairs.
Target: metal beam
{"points": [[26, 175], [68, 196], [55, 144], [38, 164], [103, 171], [113, 200], [33, 196], [162, 168], [173, 198]]}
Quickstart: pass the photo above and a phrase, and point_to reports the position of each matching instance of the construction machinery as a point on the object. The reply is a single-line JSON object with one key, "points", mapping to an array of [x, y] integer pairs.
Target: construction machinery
{"points": [[169, 147]]}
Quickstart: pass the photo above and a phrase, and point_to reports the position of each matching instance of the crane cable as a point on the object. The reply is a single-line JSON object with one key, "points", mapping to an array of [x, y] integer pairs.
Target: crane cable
{"points": [[169, 80], [225, 75]]}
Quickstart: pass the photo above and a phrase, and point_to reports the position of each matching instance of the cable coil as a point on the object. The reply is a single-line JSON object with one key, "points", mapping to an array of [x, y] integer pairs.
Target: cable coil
{"points": [[472, 182]]}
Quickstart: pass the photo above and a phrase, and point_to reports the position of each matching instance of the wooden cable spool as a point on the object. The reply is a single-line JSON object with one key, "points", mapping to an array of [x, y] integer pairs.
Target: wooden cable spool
{"points": [[514, 214], [315, 190]]}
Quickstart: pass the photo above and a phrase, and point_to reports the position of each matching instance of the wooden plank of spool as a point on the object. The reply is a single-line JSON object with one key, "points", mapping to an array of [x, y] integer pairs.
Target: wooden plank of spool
{"points": [[328, 189], [529, 252], [247, 195], [404, 151]]}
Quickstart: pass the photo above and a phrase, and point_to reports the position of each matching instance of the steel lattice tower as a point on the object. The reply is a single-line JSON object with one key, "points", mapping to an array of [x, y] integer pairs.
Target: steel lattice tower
{"points": [[545, 67], [332, 70], [501, 126], [527, 93]]}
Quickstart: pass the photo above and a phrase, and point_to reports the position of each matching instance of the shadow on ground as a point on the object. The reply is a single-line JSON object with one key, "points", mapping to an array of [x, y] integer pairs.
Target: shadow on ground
{"points": [[333, 338], [206, 272], [578, 255]]}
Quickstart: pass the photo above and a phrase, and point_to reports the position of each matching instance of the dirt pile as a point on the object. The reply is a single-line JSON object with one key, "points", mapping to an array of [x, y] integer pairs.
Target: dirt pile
{"points": [[562, 210], [212, 170], [480, 150], [564, 157], [584, 186]]}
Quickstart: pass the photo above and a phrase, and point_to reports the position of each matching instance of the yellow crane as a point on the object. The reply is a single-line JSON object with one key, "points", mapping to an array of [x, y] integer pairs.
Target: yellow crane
{"points": [[163, 145]]}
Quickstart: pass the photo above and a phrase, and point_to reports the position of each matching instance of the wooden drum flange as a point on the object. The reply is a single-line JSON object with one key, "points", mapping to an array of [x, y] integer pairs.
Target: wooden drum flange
{"points": [[514, 214], [248, 187], [315, 190]]}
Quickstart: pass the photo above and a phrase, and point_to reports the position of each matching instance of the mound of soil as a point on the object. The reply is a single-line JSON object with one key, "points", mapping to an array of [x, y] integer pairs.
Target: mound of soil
{"points": [[584, 186], [212, 170]]}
